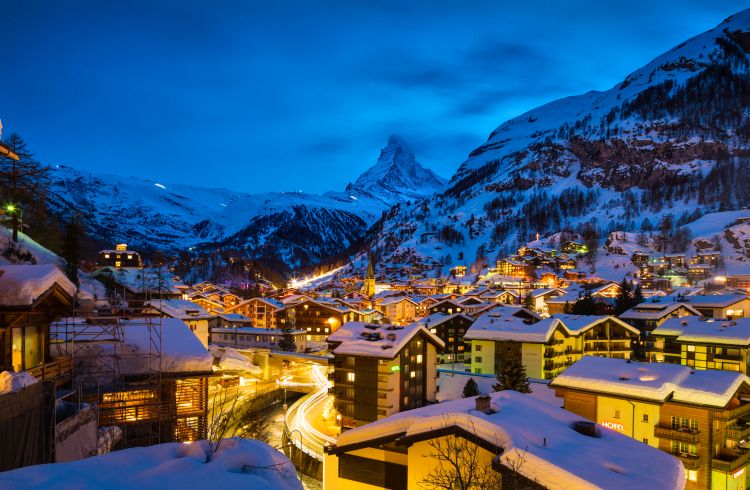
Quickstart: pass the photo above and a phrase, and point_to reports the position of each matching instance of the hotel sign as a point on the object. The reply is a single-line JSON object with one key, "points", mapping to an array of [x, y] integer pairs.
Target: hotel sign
{"points": [[613, 425]]}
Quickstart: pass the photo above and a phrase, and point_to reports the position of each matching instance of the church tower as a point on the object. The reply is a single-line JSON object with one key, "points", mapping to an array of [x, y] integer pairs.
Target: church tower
{"points": [[369, 286]]}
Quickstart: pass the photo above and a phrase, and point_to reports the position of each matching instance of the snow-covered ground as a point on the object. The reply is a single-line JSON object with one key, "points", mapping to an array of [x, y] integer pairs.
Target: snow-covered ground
{"points": [[239, 463]]}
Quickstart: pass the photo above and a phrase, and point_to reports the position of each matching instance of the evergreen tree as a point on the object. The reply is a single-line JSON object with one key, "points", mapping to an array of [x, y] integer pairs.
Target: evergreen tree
{"points": [[286, 342], [471, 388], [512, 376], [624, 299], [584, 305], [638, 296], [23, 186], [71, 249]]}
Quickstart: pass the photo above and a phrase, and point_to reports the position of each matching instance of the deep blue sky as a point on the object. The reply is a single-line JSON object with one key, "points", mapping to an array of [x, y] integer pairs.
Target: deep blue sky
{"points": [[271, 96]]}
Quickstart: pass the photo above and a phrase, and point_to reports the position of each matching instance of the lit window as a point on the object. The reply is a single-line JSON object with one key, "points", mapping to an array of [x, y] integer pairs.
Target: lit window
{"points": [[106, 256], [309, 329], [350, 377], [419, 358], [309, 337], [691, 348], [413, 374], [692, 475]]}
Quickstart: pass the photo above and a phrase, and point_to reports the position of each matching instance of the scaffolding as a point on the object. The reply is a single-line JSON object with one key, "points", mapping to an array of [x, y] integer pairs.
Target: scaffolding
{"points": [[116, 366]]}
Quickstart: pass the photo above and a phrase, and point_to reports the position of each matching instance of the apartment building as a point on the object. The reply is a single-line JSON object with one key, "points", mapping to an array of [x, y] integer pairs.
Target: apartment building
{"points": [[546, 347], [704, 343], [380, 370], [700, 417]]}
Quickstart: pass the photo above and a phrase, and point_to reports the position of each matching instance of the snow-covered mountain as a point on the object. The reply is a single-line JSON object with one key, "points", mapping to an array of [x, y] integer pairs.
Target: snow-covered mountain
{"points": [[286, 228], [396, 177], [672, 138]]}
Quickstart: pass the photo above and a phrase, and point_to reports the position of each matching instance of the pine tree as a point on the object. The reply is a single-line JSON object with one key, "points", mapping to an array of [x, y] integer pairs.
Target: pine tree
{"points": [[471, 388], [286, 342], [23, 186], [624, 299], [638, 296], [512, 376], [584, 305]]}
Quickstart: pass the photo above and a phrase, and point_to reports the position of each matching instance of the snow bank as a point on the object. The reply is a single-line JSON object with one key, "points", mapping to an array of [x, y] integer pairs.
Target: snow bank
{"points": [[12, 381], [233, 360], [21, 285], [239, 463], [557, 456]]}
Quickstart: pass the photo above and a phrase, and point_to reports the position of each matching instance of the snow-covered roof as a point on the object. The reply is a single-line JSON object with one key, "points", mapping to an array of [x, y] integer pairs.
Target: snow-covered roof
{"points": [[502, 326], [435, 319], [253, 330], [651, 381], [21, 285], [707, 330], [181, 351], [556, 455], [179, 308], [235, 317], [168, 465], [655, 311], [381, 341], [144, 280], [707, 301]]}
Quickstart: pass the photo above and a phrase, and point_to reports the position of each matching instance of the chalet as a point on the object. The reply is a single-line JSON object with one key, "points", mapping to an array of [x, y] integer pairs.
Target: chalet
{"points": [[202, 301], [657, 283], [649, 315], [739, 281], [573, 247], [458, 271], [640, 258], [699, 417], [316, 318], [147, 375], [193, 315], [727, 306], [262, 311], [398, 310], [380, 370], [450, 329], [512, 267], [538, 298], [547, 347], [448, 307], [120, 257], [709, 258], [494, 432], [698, 272], [676, 261], [245, 337]]}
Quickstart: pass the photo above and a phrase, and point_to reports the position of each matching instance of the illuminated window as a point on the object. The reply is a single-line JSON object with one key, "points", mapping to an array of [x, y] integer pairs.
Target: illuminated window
{"points": [[350, 377], [309, 337], [117, 263], [419, 358], [691, 348], [106, 256], [692, 475]]}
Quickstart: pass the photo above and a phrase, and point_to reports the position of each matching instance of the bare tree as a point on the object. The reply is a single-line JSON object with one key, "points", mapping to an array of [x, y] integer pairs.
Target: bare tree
{"points": [[460, 465], [230, 417]]}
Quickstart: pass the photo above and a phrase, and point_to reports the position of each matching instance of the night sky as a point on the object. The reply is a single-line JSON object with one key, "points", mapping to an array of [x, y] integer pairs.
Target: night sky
{"points": [[274, 96]]}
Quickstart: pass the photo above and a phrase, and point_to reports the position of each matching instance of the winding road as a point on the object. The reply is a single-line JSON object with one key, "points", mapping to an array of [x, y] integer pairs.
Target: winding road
{"points": [[302, 433]]}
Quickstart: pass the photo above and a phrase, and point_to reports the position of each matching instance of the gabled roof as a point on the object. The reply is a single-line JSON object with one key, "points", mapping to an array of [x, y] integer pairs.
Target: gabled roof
{"points": [[708, 301], [179, 308], [555, 455], [655, 311], [377, 340], [26, 285]]}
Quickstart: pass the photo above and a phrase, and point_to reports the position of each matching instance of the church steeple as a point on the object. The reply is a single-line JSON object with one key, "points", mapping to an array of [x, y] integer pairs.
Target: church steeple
{"points": [[368, 288]]}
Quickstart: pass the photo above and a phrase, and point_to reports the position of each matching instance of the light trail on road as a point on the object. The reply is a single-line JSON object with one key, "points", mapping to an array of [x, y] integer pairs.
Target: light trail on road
{"points": [[311, 440]]}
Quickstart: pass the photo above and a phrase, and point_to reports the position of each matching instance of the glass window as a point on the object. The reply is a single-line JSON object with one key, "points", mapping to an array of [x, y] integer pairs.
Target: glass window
{"points": [[350, 377]]}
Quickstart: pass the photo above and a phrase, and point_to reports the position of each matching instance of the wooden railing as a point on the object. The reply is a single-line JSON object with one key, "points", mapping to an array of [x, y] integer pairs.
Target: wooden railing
{"points": [[59, 370]]}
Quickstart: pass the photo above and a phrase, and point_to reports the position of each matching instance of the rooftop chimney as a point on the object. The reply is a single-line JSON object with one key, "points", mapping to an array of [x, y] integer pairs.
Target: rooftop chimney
{"points": [[483, 404]]}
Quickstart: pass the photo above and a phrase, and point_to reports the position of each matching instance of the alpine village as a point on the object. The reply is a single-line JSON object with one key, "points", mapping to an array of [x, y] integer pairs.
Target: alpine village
{"points": [[569, 310]]}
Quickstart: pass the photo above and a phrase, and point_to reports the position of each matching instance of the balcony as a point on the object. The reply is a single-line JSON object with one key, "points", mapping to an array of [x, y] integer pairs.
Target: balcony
{"points": [[684, 435], [689, 461], [738, 432], [727, 357], [730, 459], [59, 370]]}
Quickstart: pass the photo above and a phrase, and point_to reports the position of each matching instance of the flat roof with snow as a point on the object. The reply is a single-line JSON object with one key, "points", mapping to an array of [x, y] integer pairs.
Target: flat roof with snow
{"points": [[706, 330], [657, 382]]}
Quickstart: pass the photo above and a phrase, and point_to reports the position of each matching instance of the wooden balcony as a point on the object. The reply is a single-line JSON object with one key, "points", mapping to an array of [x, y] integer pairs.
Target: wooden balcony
{"points": [[685, 435], [59, 370], [738, 432], [689, 461], [730, 460]]}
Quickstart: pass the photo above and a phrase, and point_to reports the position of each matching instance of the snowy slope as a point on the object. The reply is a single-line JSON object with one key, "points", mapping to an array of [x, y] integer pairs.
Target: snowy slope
{"points": [[291, 228], [673, 137]]}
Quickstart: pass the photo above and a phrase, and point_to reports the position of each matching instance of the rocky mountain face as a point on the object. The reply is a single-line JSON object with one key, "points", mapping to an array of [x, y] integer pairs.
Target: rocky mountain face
{"points": [[289, 230], [672, 138], [396, 177]]}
